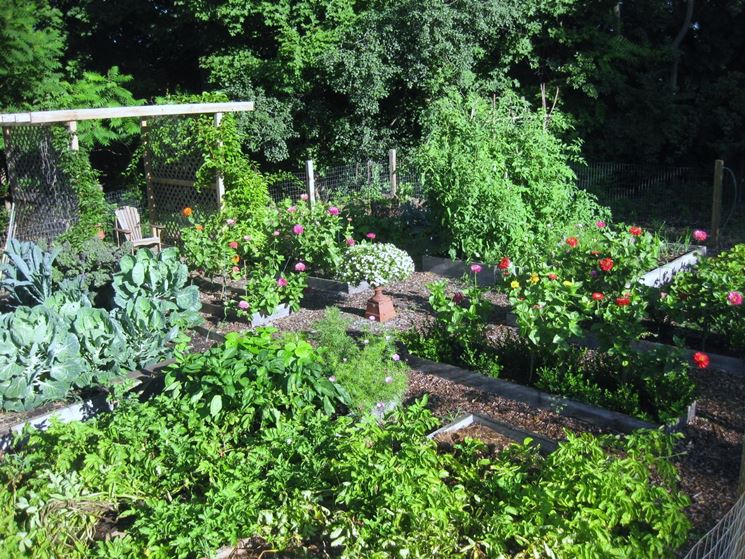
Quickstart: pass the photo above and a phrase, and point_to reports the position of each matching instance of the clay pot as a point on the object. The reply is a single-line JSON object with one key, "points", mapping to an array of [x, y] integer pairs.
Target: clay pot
{"points": [[101, 234], [380, 306]]}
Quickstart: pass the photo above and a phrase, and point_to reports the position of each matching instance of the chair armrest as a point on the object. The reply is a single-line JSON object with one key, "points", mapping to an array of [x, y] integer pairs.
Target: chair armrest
{"points": [[157, 226], [122, 230]]}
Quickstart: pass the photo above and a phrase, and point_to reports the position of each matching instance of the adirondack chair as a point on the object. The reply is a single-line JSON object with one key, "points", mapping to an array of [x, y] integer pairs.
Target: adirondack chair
{"points": [[127, 223]]}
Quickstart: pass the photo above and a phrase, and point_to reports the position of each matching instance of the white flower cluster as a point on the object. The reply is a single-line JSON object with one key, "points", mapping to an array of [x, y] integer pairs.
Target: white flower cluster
{"points": [[375, 263]]}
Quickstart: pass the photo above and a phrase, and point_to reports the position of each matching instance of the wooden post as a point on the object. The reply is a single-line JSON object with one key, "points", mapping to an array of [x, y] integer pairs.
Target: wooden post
{"points": [[392, 171], [219, 183], [310, 182], [741, 484], [716, 203], [148, 173], [72, 126]]}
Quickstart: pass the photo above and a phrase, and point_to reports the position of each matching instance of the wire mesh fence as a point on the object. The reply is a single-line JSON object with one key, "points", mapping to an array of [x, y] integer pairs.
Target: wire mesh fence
{"points": [[726, 540], [45, 204], [650, 194]]}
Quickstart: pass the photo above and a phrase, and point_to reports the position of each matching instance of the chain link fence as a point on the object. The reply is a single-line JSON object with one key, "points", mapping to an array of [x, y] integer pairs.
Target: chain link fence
{"points": [[726, 540]]}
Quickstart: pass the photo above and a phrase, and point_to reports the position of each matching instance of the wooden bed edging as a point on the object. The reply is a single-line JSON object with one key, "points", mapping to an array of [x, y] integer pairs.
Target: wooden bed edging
{"points": [[599, 417], [546, 445], [144, 380]]}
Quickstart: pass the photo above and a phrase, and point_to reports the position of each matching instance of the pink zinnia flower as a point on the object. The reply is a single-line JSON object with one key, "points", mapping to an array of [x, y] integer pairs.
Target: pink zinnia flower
{"points": [[388, 380], [276, 233], [299, 267], [600, 224], [233, 244], [333, 210], [380, 405], [243, 305], [292, 209], [475, 268], [304, 197], [298, 229], [734, 298], [230, 222], [350, 242], [332, 378], [236, 269], [371, 236], [396, 357], [700, 235], [282, 282], [247, 238]]}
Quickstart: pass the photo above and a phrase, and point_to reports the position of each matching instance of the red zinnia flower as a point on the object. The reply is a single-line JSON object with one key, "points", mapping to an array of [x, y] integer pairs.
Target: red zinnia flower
{"points": [[701, 359], [504, 263], [233, 244], [597, 296], [606, 264], [636, 231], [552, 276], [572, 241], [595, 252], [623, 301]]}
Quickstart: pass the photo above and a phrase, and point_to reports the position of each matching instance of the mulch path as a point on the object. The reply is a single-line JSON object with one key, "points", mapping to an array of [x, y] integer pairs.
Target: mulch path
{"points": [[709, 453]]}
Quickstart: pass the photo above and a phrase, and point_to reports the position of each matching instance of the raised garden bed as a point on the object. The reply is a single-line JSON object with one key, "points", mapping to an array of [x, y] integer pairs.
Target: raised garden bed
{"points": [[489, 274], [599, 417], [340, 288], [493, 433], [257, 319], [95, 402]]}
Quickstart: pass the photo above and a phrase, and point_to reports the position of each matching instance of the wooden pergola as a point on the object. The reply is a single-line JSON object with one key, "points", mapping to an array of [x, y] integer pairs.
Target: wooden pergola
{"points": [[70, 118]]}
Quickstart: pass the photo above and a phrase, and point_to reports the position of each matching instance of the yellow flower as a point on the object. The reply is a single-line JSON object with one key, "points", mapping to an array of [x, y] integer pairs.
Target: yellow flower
{"points": [[534, 278], [567, 283], [236, 259], [515, 284]]}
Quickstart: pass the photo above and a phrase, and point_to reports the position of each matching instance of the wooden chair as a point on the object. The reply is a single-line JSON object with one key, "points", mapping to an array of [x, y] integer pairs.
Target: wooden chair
{"points": [[127, 222]]}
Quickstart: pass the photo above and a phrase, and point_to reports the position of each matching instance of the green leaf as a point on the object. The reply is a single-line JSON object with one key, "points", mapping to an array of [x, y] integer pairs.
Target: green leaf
{"points": [[215, 405]]}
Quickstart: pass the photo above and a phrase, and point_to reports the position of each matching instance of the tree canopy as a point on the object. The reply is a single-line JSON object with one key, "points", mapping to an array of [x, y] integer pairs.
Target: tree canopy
{"points": [[340, 80]]}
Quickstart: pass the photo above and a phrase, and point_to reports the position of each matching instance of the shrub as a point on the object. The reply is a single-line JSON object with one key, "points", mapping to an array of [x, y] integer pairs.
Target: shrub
{"points": [[375, 263], [497, 178]]}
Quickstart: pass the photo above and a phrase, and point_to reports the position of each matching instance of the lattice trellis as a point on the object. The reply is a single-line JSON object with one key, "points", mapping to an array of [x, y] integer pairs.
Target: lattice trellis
{"points": [[172, 182], [45, 204]]}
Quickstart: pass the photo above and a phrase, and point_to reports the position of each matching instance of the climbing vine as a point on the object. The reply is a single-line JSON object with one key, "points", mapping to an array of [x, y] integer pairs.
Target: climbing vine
{"points": [[218, 148], [84, 180]]}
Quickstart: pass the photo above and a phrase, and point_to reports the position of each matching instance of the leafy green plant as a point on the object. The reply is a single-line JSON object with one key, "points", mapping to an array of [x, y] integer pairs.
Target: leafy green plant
{"points": [[161, 278], [710, 297], [258, 374], [457, 334], [95, 261], [28, 274], [40, 359], [268, 286], [149, 328], [373, 374], [497, 178]]}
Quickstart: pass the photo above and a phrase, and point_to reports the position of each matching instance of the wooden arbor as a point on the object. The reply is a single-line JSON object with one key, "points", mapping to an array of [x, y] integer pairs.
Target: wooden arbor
{"points": [[70, 118]]}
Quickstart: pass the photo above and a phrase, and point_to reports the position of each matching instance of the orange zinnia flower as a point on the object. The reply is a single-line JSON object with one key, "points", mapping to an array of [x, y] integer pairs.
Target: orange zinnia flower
{"points": [[187, 212], [199, 227]]}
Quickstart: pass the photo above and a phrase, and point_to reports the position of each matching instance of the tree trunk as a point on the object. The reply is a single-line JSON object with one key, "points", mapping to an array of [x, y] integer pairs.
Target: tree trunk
{"points": [[675, 47]]}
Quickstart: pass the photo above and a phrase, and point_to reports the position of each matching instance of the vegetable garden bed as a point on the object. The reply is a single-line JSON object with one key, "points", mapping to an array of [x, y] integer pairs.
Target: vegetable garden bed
{"points": [[145, 381]]}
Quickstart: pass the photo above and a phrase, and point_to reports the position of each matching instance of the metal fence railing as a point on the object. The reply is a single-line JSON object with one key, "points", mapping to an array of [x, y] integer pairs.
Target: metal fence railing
{"points": [[726, 540]]}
